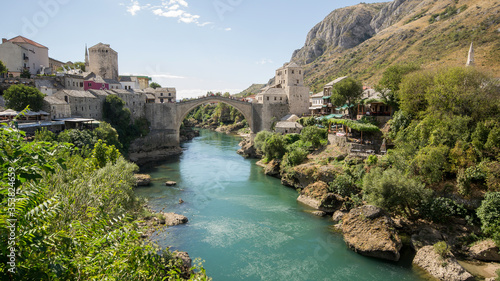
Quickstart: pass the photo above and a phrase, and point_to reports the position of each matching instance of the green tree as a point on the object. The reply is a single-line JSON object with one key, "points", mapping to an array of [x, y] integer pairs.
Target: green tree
{"points": [[275, 147], [3, 68], [260, 140], [348, 91], [489, 214], [18, 97], [393, 190], [108, 134], [391, 79], [315, 136], [80, 138], [25, 73], [154, 85]]}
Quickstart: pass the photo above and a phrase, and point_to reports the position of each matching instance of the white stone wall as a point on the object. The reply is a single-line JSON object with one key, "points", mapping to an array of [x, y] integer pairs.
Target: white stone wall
{"points": [[298, 99]]}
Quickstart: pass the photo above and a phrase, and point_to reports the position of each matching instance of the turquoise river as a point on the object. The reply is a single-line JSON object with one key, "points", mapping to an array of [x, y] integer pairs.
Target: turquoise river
{"points": [[245, 225]]}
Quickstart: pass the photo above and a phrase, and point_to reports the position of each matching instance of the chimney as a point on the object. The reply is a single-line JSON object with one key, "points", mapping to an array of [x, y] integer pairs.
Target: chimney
{"points": [[4, 40]]}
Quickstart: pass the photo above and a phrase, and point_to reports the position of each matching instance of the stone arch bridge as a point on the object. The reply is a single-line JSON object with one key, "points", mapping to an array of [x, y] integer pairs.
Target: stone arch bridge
{"points": [[246, 108], [166, 119]]}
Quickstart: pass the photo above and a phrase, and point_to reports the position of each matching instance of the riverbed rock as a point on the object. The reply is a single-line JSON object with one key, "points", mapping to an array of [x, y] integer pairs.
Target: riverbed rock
{"points": [[184, 263], [369, 231], [317, 196], [142, 179], [247, 149], [485, 250], [273, 168], [428, 236], [319, 213], [447, 268], [170, 183], [338, 215], [172, 219]]}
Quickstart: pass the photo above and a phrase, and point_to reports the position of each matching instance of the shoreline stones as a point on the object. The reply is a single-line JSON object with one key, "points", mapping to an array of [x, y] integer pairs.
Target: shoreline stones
{"points": [[170, 183], [446, 268], [172, 219]]}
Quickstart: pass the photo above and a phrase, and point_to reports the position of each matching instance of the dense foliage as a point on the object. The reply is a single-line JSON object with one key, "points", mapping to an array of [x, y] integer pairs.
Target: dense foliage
{"points": [[291, 148], [18, 97], [75, 215], [119, 116], [347, 91]]}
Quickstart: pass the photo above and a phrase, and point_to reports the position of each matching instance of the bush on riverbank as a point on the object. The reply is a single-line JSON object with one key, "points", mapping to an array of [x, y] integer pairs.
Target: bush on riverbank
{"points": [[76, 215]]}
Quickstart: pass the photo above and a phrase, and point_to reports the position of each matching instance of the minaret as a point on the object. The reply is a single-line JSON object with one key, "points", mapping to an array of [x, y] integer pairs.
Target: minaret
{"points": [[470, 59], [87, 64]]}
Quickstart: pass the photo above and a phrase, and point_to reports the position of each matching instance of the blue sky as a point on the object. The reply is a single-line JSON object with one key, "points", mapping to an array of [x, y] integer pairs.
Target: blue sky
{"points": [[193, 45]]}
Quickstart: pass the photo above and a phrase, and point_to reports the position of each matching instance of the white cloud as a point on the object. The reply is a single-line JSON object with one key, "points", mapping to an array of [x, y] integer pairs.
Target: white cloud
{"points": [[264, 61], [167, 76], [168, 9], [134, 8], [228, 29]]}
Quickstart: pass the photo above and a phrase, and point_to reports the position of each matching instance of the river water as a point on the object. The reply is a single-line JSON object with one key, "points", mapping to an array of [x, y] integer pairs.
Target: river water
{"points": [[245, 225]]}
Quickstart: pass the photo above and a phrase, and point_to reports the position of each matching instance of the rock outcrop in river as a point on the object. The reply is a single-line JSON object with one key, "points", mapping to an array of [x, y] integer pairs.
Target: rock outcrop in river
{"points": [[317, 195], [369, 231]]}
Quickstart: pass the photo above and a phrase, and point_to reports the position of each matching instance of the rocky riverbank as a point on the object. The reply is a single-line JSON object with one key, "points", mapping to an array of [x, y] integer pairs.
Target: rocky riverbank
{"points": [[371, 231]]}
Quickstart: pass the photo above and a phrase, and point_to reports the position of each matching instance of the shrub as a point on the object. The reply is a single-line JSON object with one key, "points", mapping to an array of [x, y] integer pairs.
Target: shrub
{"points": [[489, 214], [344, 185], [440, 209], [44, 135], [442, 249], [260, 139], [274, 147], [371, 160], [431, 162], [394, 191], [316, 136]]}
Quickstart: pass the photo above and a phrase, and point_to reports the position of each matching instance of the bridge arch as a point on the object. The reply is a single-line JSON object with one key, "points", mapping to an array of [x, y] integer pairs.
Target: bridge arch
{"points": [[183, 108]]}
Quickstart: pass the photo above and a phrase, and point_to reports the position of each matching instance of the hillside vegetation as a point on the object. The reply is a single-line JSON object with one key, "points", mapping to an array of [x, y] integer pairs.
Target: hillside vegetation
{"points": [[363, 40]]}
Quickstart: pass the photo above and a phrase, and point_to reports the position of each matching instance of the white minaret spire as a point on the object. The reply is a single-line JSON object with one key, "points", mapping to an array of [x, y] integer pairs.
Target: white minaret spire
{"points": [[470, 59]]}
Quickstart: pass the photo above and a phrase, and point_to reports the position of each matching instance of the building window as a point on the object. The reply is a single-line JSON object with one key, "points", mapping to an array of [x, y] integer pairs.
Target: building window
{"points": [[90, 85], [274, 98], [293, 71], [161, 94], [300, 71], [81, 84], [267, 98], [297, 81], [169, 94]]}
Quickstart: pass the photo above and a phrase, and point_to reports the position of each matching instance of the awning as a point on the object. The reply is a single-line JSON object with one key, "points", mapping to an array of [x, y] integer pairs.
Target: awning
{"points": [[344, 107], [326, 97], [327, 117]]}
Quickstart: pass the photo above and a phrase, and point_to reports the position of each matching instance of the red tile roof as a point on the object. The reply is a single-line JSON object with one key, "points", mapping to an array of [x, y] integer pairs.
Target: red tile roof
{"points": [[21, 39]]}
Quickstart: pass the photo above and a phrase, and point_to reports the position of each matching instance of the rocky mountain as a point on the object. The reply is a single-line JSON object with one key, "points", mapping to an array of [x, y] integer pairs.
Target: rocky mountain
{"points": [[363, 40]]}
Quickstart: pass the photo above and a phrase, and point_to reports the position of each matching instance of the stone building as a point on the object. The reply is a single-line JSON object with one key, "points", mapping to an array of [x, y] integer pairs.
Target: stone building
{"points": [[73, 82], [288, 89], [102, 60], [56, 107], [82, 103], [21, 53], [164, 95]]}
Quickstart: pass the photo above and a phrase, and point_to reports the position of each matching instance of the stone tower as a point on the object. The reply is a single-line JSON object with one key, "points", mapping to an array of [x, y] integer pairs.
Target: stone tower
{"points": [[103, 61], [290, 77], [470, 58]]}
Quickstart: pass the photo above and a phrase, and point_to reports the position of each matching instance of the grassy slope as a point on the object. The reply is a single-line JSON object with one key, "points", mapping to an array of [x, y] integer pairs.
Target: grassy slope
{"points": [[443, 43]]}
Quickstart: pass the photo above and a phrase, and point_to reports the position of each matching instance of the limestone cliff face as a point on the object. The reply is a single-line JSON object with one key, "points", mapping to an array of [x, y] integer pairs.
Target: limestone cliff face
{"points": [[348, 27], [362, 41]]}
